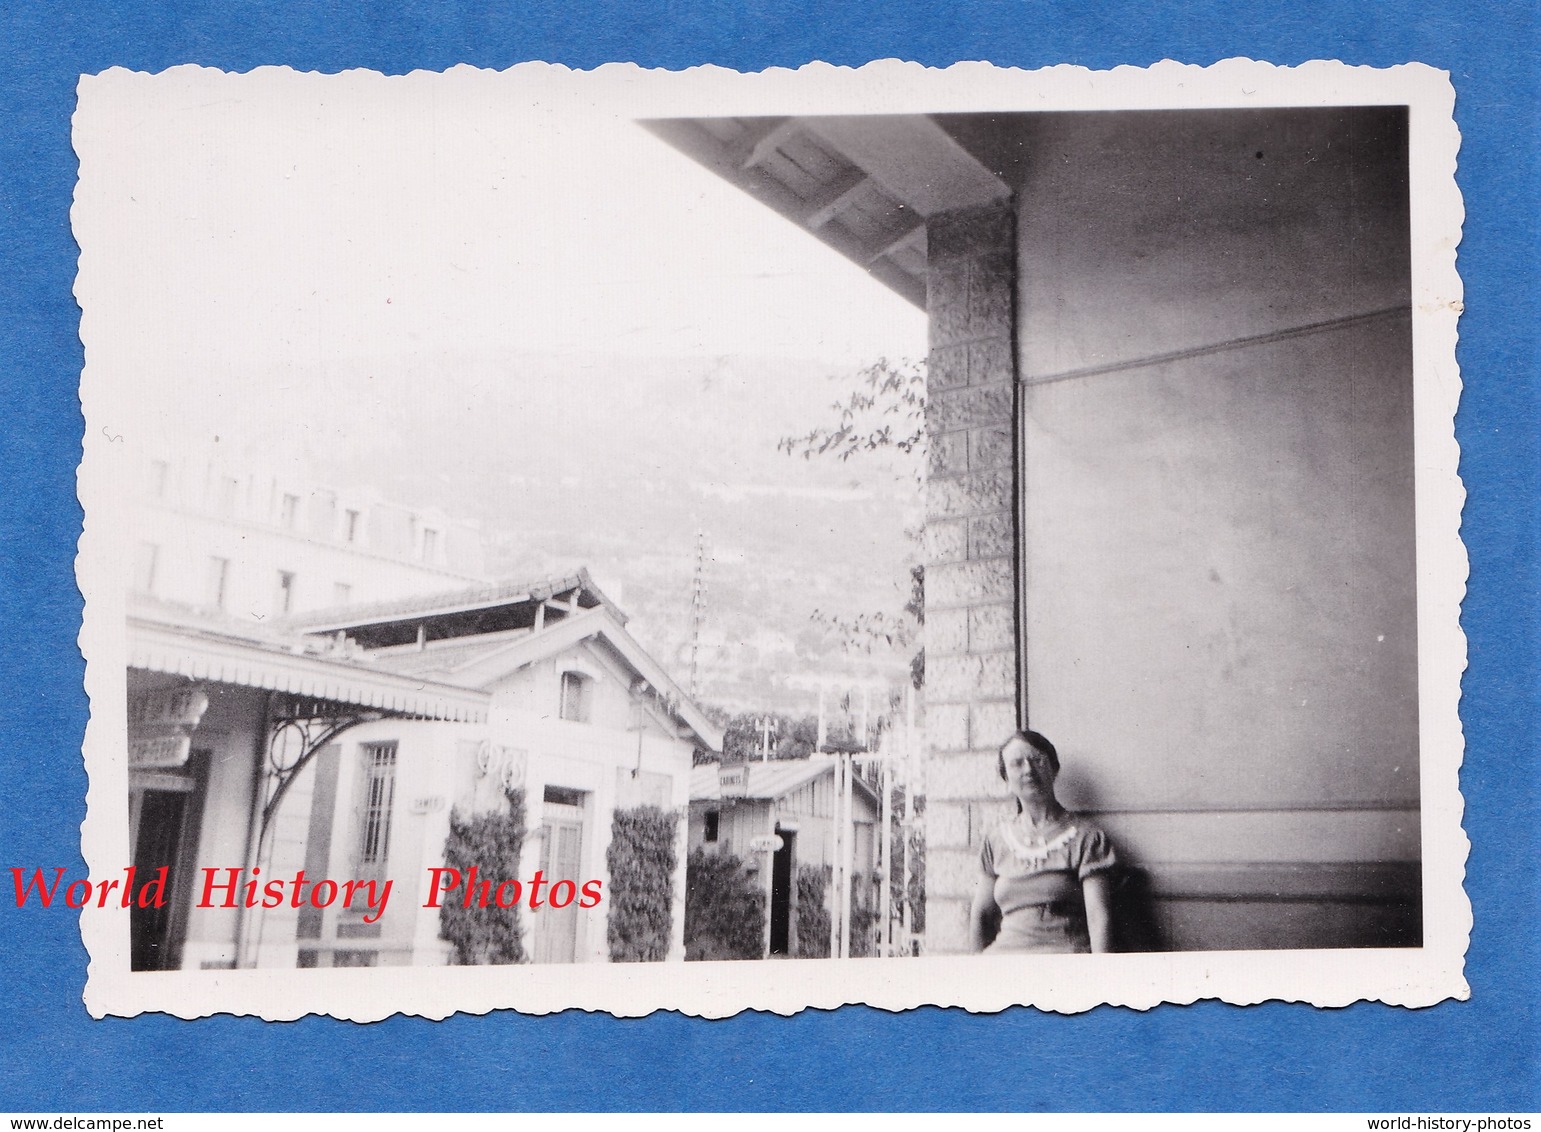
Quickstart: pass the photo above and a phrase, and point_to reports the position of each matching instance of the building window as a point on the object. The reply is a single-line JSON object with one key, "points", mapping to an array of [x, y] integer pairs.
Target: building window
{"points": [[229, 487], [561, 796], [285, 599], [430, 544], [712, 817], [160, 477], [145, 560], [350, 523], [355, 958], [377, 792], [217, 577], [289, 514], [342, 593], [577, 696]]}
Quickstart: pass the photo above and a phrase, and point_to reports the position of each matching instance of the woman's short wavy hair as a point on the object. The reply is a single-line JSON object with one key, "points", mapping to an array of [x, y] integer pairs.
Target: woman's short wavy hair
{"points": [[1034, 740]]}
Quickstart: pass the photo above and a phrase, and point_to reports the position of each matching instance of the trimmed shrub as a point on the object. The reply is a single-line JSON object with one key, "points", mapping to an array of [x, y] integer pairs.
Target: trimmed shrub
{"points": [[813, 929], [724, 909], [864, 917], [492, 842], [641, 863], [917, 891]]}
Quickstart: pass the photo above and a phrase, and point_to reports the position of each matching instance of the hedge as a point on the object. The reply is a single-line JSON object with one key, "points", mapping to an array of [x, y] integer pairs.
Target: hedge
{"points": [[724, 909], [492, 842], [641, 898], [813, 929]]}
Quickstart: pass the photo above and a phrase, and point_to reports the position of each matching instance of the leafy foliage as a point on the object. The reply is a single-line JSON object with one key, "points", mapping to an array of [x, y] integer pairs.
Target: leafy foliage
{"points": [[867, 633], [813, 930], [915, 895], [864, 917], [724, 908], [916, 606], [641, 863], [789, 738], [886, 410], [741, 738], [492, 842]]}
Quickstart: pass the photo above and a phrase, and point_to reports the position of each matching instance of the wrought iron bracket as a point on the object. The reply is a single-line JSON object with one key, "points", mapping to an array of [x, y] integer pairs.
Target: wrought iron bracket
{"points": [[298, 730]]}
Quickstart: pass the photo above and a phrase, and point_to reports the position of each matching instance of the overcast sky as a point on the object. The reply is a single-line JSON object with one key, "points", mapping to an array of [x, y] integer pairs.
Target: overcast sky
{"points": [[260, 230]]}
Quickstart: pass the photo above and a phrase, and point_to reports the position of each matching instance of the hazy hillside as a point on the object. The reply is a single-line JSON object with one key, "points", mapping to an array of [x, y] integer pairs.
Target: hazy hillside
{"points": [[617, 465]]}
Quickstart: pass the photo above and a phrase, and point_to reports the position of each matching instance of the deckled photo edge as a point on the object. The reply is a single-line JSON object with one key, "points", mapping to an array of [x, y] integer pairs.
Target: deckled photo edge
{"points": [[1418, 976]]}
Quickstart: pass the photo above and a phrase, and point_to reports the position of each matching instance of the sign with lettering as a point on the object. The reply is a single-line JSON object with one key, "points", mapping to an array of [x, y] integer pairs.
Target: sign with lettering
{"points": [[429, 804], [160, 751], [766, 843], [733, 779], [174, 707]]}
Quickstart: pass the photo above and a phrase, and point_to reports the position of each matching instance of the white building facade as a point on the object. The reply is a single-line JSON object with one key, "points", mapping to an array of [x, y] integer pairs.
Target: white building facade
{"points": [[210, 532], [580, 725]]}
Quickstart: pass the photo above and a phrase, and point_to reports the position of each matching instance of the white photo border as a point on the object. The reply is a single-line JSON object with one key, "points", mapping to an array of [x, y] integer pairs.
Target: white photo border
{"points": [[1412, 977]]}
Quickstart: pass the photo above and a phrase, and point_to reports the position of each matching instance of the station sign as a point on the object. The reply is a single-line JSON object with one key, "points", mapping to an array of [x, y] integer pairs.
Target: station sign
{"points": [[173, 707], [732, 779], [766, 843], [159, 752]]}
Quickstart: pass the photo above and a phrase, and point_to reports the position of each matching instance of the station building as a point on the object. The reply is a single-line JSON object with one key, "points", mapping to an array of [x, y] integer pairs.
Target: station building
{"points": [[780, 818], [343, 743]]}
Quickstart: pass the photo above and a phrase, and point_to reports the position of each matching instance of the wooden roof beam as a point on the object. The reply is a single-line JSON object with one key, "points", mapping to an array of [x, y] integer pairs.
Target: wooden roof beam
{"points": [[759, 141], [836, 198], [690, 138], [913, 158], [910, 236], [566, 602]]}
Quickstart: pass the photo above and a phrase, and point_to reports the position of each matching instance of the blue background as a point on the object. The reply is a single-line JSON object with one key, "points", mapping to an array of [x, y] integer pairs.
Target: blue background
{"points": [[1473, 1056]]}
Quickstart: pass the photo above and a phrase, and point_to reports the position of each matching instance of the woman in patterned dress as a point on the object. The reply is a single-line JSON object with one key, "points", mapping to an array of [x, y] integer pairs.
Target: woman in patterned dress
{"points": [[1046, 872]]}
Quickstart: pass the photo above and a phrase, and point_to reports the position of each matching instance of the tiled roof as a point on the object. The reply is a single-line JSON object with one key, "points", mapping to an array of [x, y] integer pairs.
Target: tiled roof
{"points": [[173, 642], [451, 601], [444, 657]]}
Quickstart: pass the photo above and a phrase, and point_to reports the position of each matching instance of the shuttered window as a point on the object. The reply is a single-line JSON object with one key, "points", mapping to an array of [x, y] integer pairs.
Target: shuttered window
{"points": [[577, 696]]}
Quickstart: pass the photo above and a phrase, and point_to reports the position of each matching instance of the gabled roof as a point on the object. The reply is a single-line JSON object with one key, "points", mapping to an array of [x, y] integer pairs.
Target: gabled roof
{"points": [[476, 637], [480, 662], [460, 613], [164, 639], [768, 781]]}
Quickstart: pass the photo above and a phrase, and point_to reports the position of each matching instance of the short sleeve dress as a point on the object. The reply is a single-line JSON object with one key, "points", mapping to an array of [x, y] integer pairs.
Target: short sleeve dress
{"points": [[1038, 882]]}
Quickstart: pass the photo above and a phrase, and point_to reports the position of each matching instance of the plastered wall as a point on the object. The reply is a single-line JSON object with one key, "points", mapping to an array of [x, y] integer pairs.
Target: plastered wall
{"points": [[1211, 336]]}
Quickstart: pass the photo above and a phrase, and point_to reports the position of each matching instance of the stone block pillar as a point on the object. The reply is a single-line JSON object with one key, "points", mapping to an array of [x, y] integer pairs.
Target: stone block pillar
{"points": [[971, 647]]}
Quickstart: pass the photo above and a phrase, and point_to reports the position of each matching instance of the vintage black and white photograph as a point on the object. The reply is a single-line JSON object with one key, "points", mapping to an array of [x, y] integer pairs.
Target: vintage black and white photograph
{"points": [[630, 540]]}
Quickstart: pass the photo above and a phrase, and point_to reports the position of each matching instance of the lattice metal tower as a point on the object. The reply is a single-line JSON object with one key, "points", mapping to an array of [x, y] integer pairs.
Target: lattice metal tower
{"points": [[697, 613]]}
